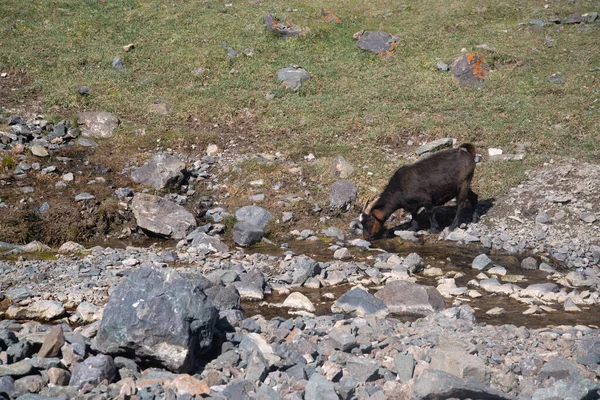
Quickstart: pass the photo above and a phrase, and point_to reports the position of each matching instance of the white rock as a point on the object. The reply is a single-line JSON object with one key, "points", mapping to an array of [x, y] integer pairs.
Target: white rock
{"points": [[494, 152], [299, 301], [212, 149], [496, 311], [342, 254]]}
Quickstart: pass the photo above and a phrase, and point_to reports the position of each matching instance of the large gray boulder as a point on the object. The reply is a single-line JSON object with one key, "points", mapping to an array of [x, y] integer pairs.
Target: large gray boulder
{"points": [[160, 316], [405, 298], [160, 171], [99, 124], [433, 384], [162, 217]]}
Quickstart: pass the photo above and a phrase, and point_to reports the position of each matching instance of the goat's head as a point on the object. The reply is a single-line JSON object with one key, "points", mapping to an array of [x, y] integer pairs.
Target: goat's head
{"points": [[372, 220]]}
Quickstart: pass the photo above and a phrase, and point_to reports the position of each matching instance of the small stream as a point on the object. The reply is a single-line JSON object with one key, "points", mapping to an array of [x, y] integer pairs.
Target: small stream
{"points": [[450, 258], [447, 256]]}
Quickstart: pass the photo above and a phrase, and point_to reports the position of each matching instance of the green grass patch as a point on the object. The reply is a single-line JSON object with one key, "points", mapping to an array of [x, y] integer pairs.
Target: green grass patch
{"points": [[355, 103]]}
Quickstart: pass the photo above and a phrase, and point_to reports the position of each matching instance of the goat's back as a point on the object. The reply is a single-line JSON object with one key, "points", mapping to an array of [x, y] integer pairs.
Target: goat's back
{"points": [[438, 176]]}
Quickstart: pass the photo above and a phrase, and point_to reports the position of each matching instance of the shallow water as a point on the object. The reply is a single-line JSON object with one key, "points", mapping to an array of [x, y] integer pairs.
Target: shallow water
{"points": [[447, 256]]}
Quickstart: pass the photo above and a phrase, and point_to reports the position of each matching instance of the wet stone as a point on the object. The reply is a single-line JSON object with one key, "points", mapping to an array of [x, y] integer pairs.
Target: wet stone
{"points": [[529, 263], [481, 262]]}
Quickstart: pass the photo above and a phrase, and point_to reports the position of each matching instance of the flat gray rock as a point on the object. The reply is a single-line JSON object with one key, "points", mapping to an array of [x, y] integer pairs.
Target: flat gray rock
{"points": [[101, 124], [254, 215], [292, 77], [481, 262], [342, 195], [434, 146], [360, 302], [161, 217], [405, 298], [433, 384], [162, 170], [377, 41], [207, 244]]}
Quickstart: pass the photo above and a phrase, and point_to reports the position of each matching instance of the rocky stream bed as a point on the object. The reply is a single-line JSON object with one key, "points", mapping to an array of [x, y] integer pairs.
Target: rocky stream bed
{"points": [[506, 308]]}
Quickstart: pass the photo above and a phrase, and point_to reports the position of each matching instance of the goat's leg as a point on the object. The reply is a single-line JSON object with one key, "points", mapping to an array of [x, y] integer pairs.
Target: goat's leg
{"points": [[461, 202], [434, 225], [473, 199], [414, 224]]}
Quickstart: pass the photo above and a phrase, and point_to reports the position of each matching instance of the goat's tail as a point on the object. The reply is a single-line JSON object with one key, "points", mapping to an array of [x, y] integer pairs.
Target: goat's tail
{"points": [[468, 147]]}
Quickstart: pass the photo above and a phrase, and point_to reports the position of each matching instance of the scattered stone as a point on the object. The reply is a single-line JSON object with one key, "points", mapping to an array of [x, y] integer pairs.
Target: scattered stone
{"points": [[93, 370], [529, 263], [342, 196], [330, 17], [39, 151], [299, 301], [413, 262], [162, 170], [101, 125], [496, 311], [117, 63], [588, 217], [434, 146], [319, 388], [342, 254], [53, 342], [377, 42], [342, 168], [574, 18], [293, 76], [407, 236], [254, 215], [481, 262], [281, 29], [470, 70], [435, 384], [246, 234], [41, 309], [84, 196], [442, 66], [589, 17]]}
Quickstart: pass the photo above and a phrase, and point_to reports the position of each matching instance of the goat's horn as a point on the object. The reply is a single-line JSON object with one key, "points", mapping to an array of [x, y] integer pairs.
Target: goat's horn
{"points": [[370, 203]]}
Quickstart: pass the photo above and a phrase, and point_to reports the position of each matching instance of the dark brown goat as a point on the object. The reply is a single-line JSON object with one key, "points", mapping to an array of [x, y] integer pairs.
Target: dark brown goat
{"points": [[427, 183]]}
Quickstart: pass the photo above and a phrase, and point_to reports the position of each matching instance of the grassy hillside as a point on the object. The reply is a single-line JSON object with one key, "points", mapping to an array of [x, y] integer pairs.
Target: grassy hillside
{"points": [[356, 104]]}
